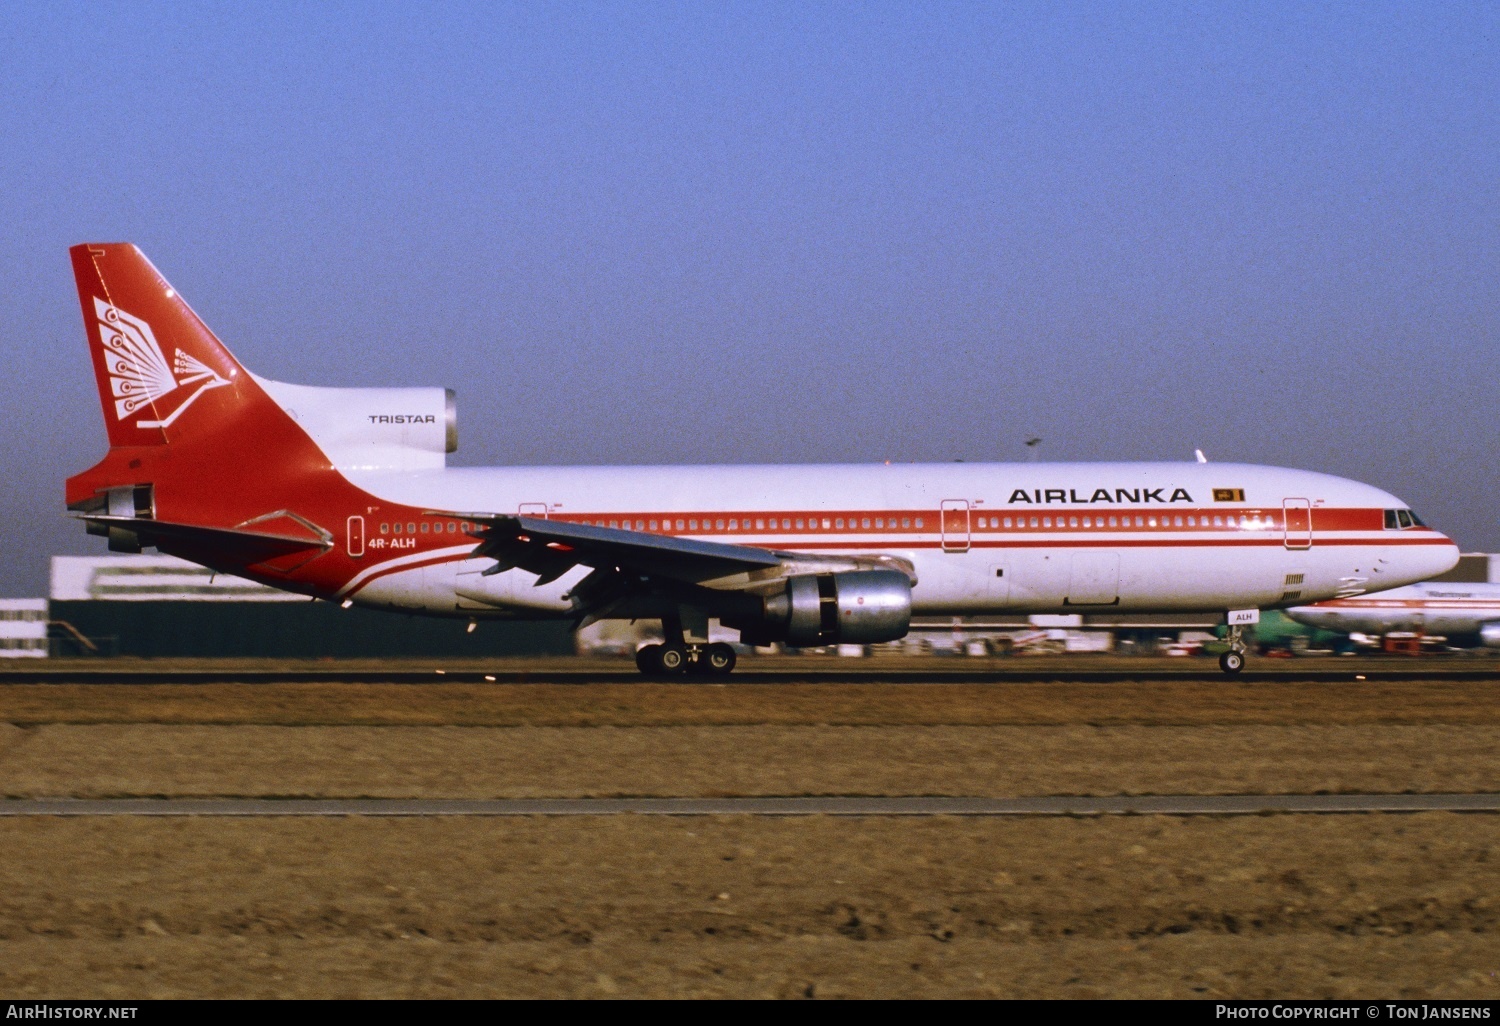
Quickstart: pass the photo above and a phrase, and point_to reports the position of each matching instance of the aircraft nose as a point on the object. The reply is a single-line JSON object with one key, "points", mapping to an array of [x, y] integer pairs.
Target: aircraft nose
{"points": [[1423, 562]]}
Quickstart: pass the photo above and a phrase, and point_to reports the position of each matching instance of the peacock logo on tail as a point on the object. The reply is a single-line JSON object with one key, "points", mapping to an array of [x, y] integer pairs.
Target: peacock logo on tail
{"points": [[139, 374]]}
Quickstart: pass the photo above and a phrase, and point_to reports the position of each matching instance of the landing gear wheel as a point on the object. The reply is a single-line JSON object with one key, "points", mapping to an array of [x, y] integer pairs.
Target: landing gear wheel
{"points": [[1232, 662], [672, 659], [648, 660], [718, 659]]}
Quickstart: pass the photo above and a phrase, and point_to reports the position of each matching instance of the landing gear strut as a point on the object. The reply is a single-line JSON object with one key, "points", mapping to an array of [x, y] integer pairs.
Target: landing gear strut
{"points": [[1233, 661], [714, 660], [685, 651]]}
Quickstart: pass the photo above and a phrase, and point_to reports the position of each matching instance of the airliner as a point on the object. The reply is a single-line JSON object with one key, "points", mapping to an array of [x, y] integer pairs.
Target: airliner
{"points": [[344, 494], [1468, 615]]}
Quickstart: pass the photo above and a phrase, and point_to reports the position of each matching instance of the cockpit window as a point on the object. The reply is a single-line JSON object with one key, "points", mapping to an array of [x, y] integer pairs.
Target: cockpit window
{"points": [[1401, 519]]}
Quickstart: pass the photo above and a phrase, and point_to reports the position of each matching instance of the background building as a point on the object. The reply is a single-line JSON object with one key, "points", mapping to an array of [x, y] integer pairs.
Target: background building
{"points": [[151, 605], [23, 628], [1474, 568]]}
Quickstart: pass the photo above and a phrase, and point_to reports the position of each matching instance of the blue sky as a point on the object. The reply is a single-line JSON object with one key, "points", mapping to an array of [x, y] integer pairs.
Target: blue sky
{"points": [[680, 233]]}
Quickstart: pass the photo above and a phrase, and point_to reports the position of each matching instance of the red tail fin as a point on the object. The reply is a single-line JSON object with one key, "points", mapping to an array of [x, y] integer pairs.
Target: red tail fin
{"points": [[153, 358], [188, 426]]}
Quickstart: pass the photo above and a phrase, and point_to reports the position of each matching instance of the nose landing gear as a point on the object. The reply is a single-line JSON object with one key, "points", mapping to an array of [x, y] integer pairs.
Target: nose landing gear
{"points": [[1233, 661]]}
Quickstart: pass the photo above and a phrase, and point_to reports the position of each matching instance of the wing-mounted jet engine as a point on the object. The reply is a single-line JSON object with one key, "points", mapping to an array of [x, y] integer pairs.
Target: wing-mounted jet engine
{"points": [[768, 596]]}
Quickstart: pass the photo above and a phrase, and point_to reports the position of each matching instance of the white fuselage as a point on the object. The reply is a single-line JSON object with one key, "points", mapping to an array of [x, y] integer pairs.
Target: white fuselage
{"points": [[980, 537]]}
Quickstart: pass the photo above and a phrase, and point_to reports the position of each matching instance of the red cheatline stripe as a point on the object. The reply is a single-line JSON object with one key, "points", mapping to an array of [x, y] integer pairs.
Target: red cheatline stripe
{"points": [[1323, 519], [937, 524], [803, 545], [798, 544]]}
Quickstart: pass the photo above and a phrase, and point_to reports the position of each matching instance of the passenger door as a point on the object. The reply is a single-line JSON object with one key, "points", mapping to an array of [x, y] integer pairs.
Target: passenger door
{"points": [[954, 522], [1296, 523]]}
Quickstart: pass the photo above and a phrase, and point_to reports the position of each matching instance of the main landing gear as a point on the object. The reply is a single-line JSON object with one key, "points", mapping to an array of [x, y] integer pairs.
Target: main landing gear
{"points": [[1233, 661], [667, 660], [686, 650]]}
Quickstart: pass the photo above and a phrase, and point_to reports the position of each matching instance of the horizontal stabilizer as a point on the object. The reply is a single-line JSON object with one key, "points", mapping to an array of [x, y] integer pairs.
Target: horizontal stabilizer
{"points": [[244, 546]]}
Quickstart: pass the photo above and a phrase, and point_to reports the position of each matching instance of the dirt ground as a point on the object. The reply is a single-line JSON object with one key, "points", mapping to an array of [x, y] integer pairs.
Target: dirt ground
{"points": [[1241, 906], [1260, 906], [97, 761]]}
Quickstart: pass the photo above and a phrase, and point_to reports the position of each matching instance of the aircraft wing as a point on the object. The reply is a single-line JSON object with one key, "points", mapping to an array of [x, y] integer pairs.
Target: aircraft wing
{"points": [[550, 548], [629, 568]]}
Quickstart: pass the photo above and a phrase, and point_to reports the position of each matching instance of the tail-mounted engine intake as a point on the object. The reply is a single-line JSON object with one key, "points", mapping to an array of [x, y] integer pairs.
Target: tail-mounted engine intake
{"points": [[862, 607], [374, 428]]}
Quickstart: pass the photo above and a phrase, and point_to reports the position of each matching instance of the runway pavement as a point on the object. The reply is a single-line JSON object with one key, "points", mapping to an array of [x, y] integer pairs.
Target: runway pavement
{"points": [[806, 671], [1177, 805]]}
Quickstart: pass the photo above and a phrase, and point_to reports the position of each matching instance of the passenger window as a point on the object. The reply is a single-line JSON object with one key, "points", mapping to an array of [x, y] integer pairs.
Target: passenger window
{"points": [[839, 523], [880, 523], [906, 521], [864, 523], [1046, 521], [1007, 521], [385, 528], [1176, 521], [1072, 521], [718, 525], [398, 528], [654, 525], [424, 527], [734, 525], [1033, 522], [1113, 522], [411, 528], [919, 522], [1150, 521], [680, 525], [760, 525], [1218, 521]]}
